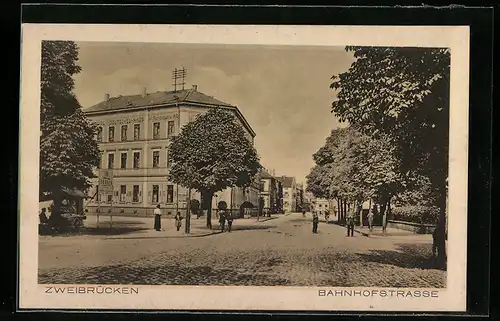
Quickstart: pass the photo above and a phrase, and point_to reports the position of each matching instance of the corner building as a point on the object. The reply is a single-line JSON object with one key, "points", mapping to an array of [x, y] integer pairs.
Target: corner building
{"points": [[134, 133]]}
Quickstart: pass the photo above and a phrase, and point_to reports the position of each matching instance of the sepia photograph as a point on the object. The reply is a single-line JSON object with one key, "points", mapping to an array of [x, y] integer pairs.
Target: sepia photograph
{"points": [[194, 165]]}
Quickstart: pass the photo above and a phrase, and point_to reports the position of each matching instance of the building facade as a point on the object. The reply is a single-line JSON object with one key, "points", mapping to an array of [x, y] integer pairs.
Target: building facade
{"points": [[299, 198], [134, 133], [270, 192], [289, 193], [321, 205]]}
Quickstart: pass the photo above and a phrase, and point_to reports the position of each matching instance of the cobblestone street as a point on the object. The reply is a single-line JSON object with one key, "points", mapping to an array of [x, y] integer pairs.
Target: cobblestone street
{"points": [[281, 251]]}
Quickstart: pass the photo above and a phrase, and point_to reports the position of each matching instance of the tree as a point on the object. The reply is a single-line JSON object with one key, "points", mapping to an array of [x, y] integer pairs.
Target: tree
{"points": [[402, 93], [211, 154], [68, 148]]}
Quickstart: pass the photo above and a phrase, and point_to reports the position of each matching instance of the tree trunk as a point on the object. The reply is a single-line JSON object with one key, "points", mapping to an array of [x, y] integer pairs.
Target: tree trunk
{"points": [[55, 218], [441, 233], [206, 197], [339, 204], [389, 209], [360, 213], [383, 206], [345, 212], [188, 213]]}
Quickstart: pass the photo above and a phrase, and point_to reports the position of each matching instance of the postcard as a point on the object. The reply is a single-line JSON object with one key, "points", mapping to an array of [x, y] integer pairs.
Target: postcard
{"points": [[243, 167]]}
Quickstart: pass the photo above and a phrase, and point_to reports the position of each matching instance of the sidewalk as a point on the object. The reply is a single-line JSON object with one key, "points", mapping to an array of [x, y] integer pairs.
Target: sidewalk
{"points": [[126, 227], [389, 233]]}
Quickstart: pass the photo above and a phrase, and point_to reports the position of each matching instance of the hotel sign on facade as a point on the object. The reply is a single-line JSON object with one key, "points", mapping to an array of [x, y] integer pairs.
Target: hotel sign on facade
{"points": [[105, 181]]}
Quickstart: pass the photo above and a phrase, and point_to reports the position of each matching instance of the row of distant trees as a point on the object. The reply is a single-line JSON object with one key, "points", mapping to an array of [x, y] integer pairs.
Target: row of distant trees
{"points": [[209, 155], [395, 147]]}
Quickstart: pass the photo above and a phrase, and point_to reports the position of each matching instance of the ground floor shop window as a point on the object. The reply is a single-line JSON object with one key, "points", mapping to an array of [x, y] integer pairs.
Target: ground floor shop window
{"points": [[135, 194], [170, 193], [123, 193], [155, 193]]}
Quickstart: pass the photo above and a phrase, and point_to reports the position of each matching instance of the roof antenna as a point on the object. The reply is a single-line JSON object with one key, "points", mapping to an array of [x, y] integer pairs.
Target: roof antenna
{"points": [[179, 74]]}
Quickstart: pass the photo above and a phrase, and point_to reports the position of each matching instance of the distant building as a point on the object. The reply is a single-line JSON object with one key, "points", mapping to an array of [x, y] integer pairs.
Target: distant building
{"points": [[289, 193], [321, 205], [134, 133], [299, 198], [271, 192]]}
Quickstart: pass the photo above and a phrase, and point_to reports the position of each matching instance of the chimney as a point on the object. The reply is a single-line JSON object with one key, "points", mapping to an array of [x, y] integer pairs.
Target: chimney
{"points": [[144, 93], [195, 87], [106, 97]]}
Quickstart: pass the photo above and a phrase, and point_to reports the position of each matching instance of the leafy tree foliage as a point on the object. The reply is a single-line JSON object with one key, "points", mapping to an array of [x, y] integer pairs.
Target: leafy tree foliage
{"points": [[211, 154], [353, 167], [68, 148], [402, 94]]}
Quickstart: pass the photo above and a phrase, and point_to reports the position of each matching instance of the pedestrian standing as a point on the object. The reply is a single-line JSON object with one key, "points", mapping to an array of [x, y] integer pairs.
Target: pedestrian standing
{"points": [[178, 221], [350, 222], [303, 213], [370, 220], [327, 216], [315, 222], [43, 216], [222, 220], [157, 213], [229, 222]]}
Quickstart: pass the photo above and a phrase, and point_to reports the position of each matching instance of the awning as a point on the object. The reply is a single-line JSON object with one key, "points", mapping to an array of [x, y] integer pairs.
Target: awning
{"points": [[74, 192]]}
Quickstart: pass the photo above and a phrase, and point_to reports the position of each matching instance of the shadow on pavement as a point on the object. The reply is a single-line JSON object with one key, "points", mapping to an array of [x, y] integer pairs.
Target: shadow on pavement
{"points": [[120, 223], [119, 230], [410, 256], [296, 220], [251, 227], [165, 236]]}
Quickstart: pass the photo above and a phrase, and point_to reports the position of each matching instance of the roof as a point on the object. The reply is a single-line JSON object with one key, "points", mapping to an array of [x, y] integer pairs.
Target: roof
{"points": [[157, 98], [287, 181], [162, 99], [265, 175]]}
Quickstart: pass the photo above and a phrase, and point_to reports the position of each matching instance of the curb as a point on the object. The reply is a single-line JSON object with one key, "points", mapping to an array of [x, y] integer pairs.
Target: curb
{"points": [[162, 237], [267, 219], [362, 233]]}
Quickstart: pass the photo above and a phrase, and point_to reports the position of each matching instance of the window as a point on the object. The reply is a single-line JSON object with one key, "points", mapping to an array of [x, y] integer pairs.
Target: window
{"points": [[156, 158], [99, 134], [124, 132], [110, 198], [123, 163], [135, 194], [137, 159], [123, 193], [137, 131], [156, 130], [170, 193], [155, 193], [262, 186], [319, 205], [111, 134], [111, 161], [170, 128]]}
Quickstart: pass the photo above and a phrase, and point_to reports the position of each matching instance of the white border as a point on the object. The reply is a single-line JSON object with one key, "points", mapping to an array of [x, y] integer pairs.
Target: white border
{"points": [[453, 298]]}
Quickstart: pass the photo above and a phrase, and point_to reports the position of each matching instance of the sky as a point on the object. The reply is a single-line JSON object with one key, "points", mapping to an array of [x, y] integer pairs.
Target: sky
{"points": [[283, 91]]}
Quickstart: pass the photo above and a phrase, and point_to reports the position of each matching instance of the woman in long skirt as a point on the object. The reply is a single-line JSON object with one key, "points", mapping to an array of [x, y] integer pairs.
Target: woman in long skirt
{"points": [[157, 213]]}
